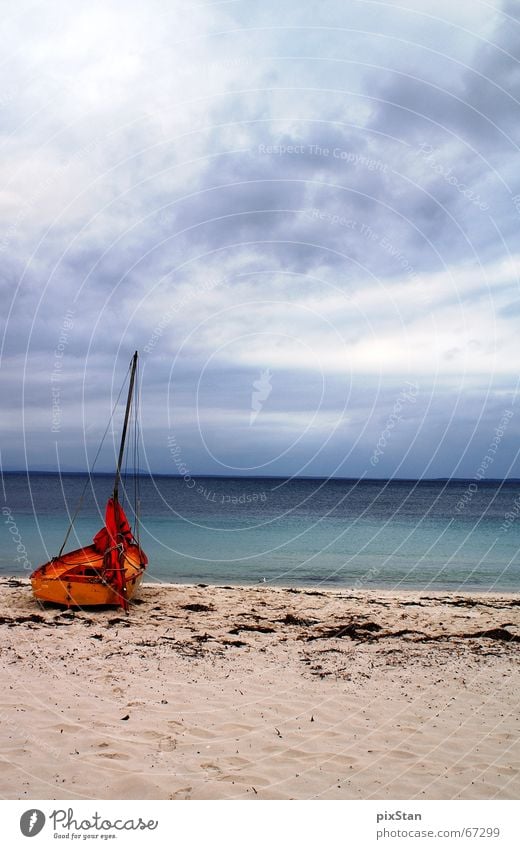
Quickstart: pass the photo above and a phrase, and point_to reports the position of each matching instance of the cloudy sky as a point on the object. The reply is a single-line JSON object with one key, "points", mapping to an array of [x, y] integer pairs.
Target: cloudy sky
{"points": [[305, 216]]}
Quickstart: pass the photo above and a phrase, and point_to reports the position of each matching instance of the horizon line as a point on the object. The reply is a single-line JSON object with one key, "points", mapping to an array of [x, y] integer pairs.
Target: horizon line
{"points": [[194, 476]]}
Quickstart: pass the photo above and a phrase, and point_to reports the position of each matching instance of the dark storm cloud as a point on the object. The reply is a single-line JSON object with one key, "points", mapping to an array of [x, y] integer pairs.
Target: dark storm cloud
{"points": [[256, 201]]}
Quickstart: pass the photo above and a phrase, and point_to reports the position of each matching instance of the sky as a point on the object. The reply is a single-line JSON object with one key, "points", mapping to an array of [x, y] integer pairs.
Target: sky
{"points": [[305, 216]]}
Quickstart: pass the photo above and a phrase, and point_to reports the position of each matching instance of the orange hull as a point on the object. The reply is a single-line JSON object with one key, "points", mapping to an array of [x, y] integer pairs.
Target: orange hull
{"points": [[77, 579]]}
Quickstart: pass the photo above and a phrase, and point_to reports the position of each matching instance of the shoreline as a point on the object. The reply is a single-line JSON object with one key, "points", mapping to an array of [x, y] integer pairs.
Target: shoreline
{"points": [[219, 692], [334, 588], [339, 589]]}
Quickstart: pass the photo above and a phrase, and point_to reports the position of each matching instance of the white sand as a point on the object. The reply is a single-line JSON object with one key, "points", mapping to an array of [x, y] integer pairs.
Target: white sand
{"points": [[289, 713]]}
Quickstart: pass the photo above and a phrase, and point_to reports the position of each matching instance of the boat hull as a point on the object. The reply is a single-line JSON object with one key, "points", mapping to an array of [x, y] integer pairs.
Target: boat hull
{"points": [[78, 579]]}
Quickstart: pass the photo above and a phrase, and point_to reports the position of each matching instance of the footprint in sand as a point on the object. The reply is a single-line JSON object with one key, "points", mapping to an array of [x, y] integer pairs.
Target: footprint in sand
{"points": [[182, 793], [237, 763], [113, 756], [402, 755], [212, 769], [201, 734], [332, 760], [151, 735], [167, 744]]}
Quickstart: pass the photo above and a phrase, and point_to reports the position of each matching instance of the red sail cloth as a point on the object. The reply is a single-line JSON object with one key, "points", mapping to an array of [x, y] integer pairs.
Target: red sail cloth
{"points": [[116, 530], [111, 541]]}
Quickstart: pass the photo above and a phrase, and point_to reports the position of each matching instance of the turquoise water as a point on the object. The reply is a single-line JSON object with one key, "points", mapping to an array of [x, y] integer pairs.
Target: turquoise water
{"points": [[300, 532]]}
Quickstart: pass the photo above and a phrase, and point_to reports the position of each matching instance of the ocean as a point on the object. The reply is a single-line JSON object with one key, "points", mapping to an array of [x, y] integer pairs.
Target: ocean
{"points": [[301, 532]]}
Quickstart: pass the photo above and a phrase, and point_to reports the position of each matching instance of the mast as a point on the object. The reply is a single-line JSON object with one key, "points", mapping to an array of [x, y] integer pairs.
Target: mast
{"points": [[125, 426]]}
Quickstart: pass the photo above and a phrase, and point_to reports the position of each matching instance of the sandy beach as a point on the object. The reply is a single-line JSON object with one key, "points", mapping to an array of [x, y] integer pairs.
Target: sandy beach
{"points": [[259, 692]]}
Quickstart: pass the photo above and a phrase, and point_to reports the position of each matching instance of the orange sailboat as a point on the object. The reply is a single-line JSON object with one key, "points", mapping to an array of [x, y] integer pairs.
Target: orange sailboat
{"points": [[109, 570]]}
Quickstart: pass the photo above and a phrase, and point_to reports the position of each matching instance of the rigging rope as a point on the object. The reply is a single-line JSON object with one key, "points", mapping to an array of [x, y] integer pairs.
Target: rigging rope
{"points": [[136, 459], [80, 502]]}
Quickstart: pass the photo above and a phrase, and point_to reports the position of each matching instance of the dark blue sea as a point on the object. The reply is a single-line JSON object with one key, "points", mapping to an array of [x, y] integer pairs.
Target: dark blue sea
{"points": [[397, 534]]}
